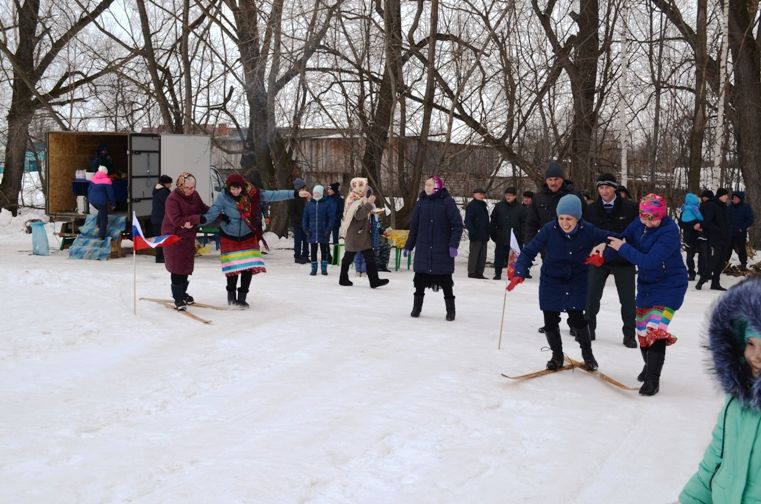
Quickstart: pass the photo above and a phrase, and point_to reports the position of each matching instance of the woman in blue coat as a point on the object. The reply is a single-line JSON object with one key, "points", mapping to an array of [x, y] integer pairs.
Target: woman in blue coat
{"points": [[567, 243], [317, 223], [652, 244], [241, 232], [435, 229]]}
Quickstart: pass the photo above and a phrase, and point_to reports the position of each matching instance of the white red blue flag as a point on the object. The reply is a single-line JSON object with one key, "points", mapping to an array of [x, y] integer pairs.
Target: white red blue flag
{"points": [[512, 256], [141, 242]]}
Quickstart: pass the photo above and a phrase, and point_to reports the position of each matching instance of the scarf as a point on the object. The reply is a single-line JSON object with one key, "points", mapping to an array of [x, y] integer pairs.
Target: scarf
{"points": [[247, 204], [354, 200]]}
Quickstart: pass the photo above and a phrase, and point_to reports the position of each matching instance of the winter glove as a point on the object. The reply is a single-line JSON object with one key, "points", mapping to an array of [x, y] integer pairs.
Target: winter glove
{"points": [[452, 251], [405, 252], [225, 218], [595, 260], [517, 279]]}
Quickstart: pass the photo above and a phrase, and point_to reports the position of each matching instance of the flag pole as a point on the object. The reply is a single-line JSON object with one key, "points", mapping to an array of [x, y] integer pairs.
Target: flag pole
{"points": [[134, 272], [502, 322]]}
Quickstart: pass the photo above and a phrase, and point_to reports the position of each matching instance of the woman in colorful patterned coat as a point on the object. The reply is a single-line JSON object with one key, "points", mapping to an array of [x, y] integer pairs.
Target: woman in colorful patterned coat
{"points": [[653, 244], [241, 231], [732, 462]]}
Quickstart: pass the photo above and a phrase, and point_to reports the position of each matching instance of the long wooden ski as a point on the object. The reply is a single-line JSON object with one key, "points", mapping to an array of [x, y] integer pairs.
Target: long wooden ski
{"points": [[197, 304], [600, 376], [170, 305], [537, 374]]}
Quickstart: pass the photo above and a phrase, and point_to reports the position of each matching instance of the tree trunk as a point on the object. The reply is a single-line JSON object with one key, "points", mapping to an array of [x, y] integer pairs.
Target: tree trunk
{"points": [[697, 132]]}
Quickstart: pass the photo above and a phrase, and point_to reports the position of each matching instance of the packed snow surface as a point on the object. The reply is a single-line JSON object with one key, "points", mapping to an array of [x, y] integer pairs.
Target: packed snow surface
{"points": [[323, 394]]}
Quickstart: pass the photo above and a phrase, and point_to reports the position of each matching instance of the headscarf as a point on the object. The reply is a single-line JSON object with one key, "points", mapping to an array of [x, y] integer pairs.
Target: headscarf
{"points": [[181, 179], [438, 183], [247, 202], [653, 205]]}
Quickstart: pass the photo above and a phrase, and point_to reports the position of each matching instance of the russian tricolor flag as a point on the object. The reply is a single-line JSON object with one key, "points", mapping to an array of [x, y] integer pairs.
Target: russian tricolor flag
{"points": [[140, 242]]}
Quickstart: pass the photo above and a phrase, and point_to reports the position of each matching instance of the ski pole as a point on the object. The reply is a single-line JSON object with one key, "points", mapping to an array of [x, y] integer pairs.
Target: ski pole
{"points": [[502, 322]]}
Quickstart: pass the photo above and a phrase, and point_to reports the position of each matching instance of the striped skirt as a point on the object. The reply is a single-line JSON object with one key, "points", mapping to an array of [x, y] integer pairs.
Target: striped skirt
{"points": [[244, 255], [652, 325]]}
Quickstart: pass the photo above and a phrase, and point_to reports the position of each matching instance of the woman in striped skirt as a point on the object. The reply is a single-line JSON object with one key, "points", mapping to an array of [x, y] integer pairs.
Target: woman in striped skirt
{"points": [[241, 232]]}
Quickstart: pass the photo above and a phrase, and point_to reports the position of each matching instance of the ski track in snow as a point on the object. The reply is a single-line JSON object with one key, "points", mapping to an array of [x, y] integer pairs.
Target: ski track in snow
{"points": [[323, 394]]}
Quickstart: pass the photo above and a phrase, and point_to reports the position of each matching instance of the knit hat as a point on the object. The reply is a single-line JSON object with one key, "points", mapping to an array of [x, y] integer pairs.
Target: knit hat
{"points": [[607, 179], [511, 190], [165, 179], [721, 192], [235, 179], [438, 183], [653, 205], [707, 193], [739, 194], [317, 192], [479, 190], [103, 169], [569, 205], [528, 194], [299, 184], [623, 190], [554, 170], [334, 186]]}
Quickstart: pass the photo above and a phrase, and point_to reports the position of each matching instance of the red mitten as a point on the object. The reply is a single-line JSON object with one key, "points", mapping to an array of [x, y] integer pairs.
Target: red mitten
{"points": [[595, 260], [514, 281]]}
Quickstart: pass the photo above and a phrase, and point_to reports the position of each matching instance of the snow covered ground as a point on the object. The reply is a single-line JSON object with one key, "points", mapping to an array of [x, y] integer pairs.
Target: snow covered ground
{"points": [[321, 393]]}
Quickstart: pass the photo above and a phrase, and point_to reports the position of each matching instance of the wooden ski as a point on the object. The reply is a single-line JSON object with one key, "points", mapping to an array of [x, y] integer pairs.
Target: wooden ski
{"points": [[170, 305], [600, 376], [197, 304], [537, 374]]}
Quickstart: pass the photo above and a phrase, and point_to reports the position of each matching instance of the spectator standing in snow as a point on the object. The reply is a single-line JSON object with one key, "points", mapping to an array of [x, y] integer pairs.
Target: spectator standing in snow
{"points": [[718, 233], [740, 218], [732, 462], [337, 201], [100, 194], [612, 213], [435, 230], [652, 244], [160, 194], [567, 242], [508, 217], [300, 242], [240, 232], [690, 220], [182, 216], [356, 231], [317, 224], [477, 224]]}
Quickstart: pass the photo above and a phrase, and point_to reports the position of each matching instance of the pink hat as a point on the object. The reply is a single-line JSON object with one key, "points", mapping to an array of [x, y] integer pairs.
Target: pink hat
{"points": [[653, 205]]}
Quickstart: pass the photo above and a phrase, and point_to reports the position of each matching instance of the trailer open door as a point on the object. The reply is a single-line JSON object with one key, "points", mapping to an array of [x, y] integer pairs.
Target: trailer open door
{"points": [[144, 171]]}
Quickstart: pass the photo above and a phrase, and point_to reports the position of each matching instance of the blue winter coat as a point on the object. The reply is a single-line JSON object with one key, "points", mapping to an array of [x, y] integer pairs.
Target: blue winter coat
{"points": [[657, 253], [740, 218], [336, 204], [477, 220], [436, 225], [100, 194], [563, 281], [318, 220], [225, 204]]}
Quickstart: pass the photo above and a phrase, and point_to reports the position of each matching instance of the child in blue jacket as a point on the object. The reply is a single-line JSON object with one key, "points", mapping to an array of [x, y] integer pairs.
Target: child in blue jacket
{"points": [[567, 243], [317, 222]]}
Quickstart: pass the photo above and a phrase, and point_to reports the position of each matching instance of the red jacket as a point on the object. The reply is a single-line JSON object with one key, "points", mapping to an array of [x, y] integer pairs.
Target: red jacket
{"points": [[179, 210]]}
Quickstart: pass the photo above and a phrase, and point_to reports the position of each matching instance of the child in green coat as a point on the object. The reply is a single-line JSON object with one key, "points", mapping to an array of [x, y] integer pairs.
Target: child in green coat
{"points": [[732, 462]]}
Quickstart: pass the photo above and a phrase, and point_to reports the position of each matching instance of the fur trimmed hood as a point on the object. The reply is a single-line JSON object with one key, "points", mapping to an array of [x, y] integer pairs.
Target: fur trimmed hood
{"points": [[741, 302]]}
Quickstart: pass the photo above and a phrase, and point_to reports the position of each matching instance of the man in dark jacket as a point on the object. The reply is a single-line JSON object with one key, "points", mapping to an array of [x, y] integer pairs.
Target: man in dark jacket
{"points": [[336, 202], [160, 194], [612, 213], [477, 224], [300, 242], [717, 232], [508, 217], [740, 218], [545, 201]]}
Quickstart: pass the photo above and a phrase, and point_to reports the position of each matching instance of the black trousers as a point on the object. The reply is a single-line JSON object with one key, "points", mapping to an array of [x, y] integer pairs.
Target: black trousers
{"points": [[245, 281], [102, 220], [477, 257], [717, 261], [421, 281], [625, 282], [323, 251], [738, 245], [500, 256], [704, 259], [575, 319]]}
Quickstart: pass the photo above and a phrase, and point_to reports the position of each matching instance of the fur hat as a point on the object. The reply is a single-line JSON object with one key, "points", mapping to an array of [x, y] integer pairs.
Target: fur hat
{"points": [[554, 170], [653, 205], [165, 179], [735, 317], [607, 179], [235, 179], [103, 169], [569, 205]]}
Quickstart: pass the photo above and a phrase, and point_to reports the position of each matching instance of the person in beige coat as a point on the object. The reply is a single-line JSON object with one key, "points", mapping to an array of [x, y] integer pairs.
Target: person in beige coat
{"points": [[356, 229]]}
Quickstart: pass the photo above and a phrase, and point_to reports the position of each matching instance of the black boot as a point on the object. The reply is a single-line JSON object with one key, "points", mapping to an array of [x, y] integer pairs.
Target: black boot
{"points": [[372, 272], [232, 283], [643, 373], [449, 302], [188, 298], [343, 277], [417, 305], [178, 293], [582, 336], [700, 283], [629, 341], [656, 354], [231, 297], [497, 274], [241, 301], [556, 345]]}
